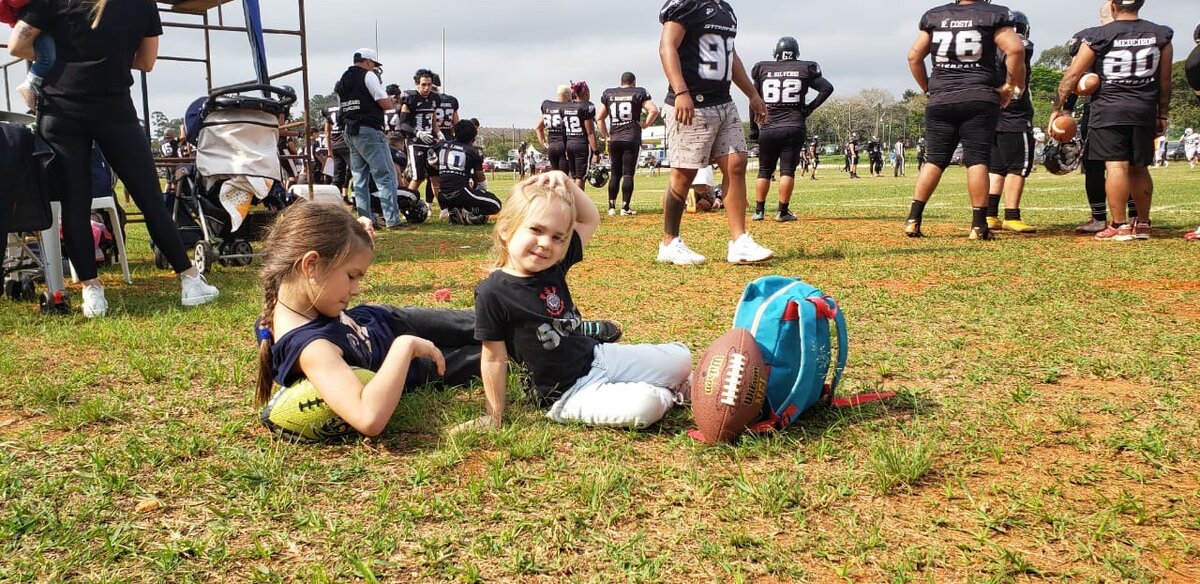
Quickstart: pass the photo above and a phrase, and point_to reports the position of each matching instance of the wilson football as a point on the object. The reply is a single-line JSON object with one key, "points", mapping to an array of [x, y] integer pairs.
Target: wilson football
{"points": [[1063, 128], [728, 387], [1088, 84], [297, 411]]}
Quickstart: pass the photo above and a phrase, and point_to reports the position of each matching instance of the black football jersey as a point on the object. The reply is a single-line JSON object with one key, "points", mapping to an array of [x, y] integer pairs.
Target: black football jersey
{"points": [[706, 53], [624, 112], [457, 165], [575, 113], [1018, 116], [552, 119], [963, 36], [784, 86], [447, 105], [333, 114], [422, 110], [1128, 53]]}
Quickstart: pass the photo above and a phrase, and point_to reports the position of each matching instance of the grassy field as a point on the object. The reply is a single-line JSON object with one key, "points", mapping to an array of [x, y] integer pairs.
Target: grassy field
{"points": [[1046, 427]]}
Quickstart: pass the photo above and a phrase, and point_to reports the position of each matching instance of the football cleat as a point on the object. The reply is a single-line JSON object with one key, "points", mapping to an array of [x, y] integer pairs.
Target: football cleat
{"points": [[994, 223], [1141, 230], [912, 228], [758, 216], [978, 234], [1092, 226], [1016, 226], [785, 216]]}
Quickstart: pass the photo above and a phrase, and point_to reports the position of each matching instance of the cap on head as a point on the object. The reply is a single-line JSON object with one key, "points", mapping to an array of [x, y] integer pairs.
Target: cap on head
{"points": [[1128, 5], [787, 49], [366, 55]]}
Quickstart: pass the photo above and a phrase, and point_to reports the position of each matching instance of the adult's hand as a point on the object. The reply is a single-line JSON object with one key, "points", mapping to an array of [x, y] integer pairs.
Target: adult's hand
{"points": [[685, 110]]}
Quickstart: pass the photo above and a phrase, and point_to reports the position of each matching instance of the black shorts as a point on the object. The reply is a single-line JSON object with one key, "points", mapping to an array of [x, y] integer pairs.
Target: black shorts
{"points": [[478, 200], [624, 157], [556, 151], [972, 122], [578, 154], [782, 146], [1012, 154], [1132, 144], [418, 162]]}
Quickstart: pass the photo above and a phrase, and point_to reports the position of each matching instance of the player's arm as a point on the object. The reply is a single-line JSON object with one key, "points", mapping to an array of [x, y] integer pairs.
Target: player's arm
{"points": [[651, 110], [328, 136], [540, 130], [824, 90], [602, 120], [668, 51], [365, 407], [1082, 63], [758, 108], [20, 42], [916, 60], [404, 120], [1008, 41], [1164, 89], [589, 128]]}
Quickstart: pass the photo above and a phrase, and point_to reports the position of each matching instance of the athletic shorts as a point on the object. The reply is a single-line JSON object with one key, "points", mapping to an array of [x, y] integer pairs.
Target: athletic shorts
{"points": [[1012, 154], [973, 123], [578, 156], [782, 146], [418, 162], [1132, 144], [479, 200], [624, 157], [715, 131], [556, 150]]}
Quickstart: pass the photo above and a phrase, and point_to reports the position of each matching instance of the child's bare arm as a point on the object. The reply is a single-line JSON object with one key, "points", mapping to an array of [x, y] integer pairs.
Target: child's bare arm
{"points": [[493, 368]]}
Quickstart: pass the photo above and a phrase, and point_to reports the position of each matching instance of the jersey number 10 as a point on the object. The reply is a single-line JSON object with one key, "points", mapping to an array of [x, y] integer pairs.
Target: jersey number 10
{"points": [[716, 57], [967, 46]]}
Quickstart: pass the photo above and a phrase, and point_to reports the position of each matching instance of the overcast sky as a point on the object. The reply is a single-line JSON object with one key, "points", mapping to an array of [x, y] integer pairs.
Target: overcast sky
{"points": [[502, 58]]}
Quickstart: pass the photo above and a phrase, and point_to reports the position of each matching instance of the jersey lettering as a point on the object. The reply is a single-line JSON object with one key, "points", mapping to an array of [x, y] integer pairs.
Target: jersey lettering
{"points": [[779, 91], [966, 44], [716, 57]]}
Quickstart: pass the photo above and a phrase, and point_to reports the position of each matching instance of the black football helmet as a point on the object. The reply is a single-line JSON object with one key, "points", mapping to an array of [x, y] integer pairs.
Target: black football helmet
{"points": [[787, 49], [598, 176], [1063, 158], [1021, 23]]}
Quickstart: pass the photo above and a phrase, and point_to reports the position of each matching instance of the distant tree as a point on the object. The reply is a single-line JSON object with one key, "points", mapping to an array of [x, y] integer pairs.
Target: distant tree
{"points": [[316, 105], [1185, 112], [160, 123], [1043, 88], [1056, 58]]}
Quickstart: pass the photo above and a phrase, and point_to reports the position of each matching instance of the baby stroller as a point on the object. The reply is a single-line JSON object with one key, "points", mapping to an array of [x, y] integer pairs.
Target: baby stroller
{"points": [[237, 166]]}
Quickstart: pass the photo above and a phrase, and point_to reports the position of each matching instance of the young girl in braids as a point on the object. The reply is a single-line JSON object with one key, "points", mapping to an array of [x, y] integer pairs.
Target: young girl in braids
{"points": [[317, 255]]}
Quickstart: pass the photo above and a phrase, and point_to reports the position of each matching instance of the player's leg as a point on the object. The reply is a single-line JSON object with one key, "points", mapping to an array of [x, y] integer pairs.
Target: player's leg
{"points": [[941, 134], [628, 386], [1019, 160], [997, 171], [689, 148], [629, 168], [616, 167], [789, 160], [770, 145], [1141, 184], [977, 131]]}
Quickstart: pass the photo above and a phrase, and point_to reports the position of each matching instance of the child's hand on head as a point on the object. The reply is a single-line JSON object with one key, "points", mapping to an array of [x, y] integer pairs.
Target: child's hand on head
{"points": [[368, 225], [554, 179]]}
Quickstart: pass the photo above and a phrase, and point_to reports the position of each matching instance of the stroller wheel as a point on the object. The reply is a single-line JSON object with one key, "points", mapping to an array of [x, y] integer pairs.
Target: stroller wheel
{"points": [[28, 292], [205, 256], [12, 289], [54, 302], [242, 248]]}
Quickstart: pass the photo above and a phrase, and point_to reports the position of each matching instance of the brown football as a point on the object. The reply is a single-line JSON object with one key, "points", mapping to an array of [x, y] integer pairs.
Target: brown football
{"points": [[728, 387], [1088, 84], [1064, 128]]}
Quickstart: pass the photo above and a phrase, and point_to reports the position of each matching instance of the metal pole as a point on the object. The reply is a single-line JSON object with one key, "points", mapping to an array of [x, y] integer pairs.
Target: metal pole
{"points": [[444, 75], [308, 170], [208, 53], [146, 107]]}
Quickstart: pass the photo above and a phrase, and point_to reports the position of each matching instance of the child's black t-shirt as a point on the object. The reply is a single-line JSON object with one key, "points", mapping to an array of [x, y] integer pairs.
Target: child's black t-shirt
{"points": [[539, 324], [91, 75], [363, 333]]}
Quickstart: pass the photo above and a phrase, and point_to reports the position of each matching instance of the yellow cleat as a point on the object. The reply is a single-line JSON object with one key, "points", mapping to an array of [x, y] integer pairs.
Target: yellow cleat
{"points": [[994, 223], [1018, 226]]}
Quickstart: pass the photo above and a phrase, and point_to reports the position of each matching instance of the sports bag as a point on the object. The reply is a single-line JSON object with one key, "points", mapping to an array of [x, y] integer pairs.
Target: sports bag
{"points": [[802, 333]]}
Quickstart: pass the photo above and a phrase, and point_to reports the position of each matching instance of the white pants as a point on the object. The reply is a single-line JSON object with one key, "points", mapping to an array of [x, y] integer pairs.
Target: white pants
{"points": [[629, 386]]}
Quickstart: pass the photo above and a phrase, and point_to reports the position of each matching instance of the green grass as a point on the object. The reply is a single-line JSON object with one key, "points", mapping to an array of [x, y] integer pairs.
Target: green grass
{"points": [[1046, 424]]}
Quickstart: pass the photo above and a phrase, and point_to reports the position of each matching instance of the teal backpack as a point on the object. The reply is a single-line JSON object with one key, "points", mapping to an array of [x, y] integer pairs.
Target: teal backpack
{"points": [[802, 333]]}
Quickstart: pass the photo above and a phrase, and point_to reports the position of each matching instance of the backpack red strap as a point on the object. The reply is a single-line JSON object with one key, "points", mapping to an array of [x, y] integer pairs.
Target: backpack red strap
{"points": [[860, 399]]}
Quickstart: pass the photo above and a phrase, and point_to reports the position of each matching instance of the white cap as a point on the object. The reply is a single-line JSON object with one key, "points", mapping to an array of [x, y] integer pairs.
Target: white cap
{"points": [[364, 54]]}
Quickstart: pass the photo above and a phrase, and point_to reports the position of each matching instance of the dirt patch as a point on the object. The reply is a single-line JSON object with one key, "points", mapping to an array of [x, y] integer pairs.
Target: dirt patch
{"points": [[1144, 285]]}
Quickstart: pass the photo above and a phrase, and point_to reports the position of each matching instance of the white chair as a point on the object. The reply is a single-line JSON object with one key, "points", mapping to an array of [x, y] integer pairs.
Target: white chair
{"points": [[108, 205]]}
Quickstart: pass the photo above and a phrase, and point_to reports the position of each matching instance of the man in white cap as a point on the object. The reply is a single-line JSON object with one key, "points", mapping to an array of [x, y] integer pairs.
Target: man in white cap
{"points": [[1191, 147], [363, 100]]}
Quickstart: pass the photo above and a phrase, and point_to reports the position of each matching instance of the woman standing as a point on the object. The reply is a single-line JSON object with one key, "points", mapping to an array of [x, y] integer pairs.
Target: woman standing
{"points": [[86, 100]]}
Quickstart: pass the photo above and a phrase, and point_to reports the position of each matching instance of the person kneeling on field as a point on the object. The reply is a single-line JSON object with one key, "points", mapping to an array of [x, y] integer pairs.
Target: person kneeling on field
{"points": [[459, 163]]}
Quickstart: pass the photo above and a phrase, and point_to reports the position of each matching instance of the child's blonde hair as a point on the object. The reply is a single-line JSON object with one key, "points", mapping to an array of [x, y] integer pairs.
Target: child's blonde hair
{"points": [[523, 200], [326, 228]]}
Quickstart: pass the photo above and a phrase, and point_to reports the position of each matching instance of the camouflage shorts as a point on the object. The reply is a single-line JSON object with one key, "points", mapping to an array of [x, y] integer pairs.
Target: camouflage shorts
{"points": [[715, 131]]}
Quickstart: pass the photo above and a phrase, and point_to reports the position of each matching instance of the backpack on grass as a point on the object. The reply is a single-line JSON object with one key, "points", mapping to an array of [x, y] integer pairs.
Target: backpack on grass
{"points": [[802, 334]]}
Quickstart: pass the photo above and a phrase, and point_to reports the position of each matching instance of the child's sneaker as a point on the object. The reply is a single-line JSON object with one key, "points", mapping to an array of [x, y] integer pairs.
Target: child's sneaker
{"points": [[678, 253], [94, 303], [744, 250], [605, 331], [197, 291]]}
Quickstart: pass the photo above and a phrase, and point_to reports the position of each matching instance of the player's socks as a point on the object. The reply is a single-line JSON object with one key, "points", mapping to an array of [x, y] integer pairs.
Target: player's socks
{"points": [[760, 207], [1012, 214], [979, 218], [783, 208], [916, 210], [993, 206]]}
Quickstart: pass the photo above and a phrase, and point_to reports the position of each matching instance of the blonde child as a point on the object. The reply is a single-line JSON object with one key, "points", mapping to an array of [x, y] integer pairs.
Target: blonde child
{"points": [[316, 257], [524, 310]]}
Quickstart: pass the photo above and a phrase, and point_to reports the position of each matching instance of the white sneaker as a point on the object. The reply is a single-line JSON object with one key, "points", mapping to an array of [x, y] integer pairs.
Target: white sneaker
{"points": [[197, 291], [25, 90], [744, 250], [94, 303], [611, 211], [444, 215], [678, 253], [628, 212]]}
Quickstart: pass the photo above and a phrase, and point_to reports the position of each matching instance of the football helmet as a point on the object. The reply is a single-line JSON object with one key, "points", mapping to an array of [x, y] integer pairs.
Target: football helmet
{"points": [[1063, 158], [787, 49], [1021, 23], [598, 176]]}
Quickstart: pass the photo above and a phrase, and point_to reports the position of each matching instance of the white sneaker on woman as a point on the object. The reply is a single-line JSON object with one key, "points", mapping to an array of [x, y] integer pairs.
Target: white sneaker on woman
{"points": [[678, 253], [94, 303], [197, 291]]}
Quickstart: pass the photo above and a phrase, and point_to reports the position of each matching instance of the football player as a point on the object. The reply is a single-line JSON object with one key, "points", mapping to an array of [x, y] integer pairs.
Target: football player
{"points": [[1191, 145], [550, 130], [1192, 70], [1012, 146], [814, 157], [703, 126], [852, 155], [579, 126], [783, 85], [1133, 58], [964, 102], [418, 121], [898, 158], [1093, 170], [620, 122], [447, 109], [459, 163], [875, 155]]}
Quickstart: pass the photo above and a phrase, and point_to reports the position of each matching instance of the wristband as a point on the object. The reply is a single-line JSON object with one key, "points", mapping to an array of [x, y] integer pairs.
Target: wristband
{"points": [[684, 92]]}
